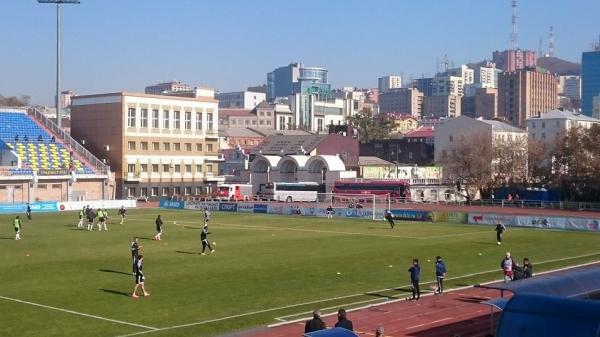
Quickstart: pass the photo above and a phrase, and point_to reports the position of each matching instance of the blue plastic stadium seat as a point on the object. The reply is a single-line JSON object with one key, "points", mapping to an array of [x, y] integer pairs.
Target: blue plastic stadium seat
{"points": [[34, 154]]}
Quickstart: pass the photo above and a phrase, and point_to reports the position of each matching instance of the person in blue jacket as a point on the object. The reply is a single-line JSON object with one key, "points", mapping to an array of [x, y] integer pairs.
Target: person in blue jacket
{"points": [[440, 274], [415, 273]]}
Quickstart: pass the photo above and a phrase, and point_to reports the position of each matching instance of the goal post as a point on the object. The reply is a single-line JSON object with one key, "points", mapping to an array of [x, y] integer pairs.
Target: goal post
{"points": [[377, 204]]}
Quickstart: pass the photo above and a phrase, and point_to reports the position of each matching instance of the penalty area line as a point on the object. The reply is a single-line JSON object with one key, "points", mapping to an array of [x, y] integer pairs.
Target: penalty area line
{"points": [[149, 328]]}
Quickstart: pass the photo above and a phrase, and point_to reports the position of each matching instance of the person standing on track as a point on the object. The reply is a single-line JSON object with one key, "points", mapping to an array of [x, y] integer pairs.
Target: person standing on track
{"points": [[440, 274], [159, 228], [507, 266], [389, 216], [500, 229], [17, 225], [139, 277], [135, 252], [415, 273], [122, 214], [204, 239], [343, 321]]}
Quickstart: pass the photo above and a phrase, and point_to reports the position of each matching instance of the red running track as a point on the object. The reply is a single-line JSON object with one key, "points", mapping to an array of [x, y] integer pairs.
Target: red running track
{"points": [[455, 313]]}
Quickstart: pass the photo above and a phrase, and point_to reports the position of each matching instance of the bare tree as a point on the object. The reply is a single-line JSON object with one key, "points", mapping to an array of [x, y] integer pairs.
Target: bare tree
{"points": [[468, 161], [509, 162]]}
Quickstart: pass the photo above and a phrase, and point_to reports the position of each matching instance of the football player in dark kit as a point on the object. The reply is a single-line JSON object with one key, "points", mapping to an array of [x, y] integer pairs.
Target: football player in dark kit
{"points": [[28, 212], [389, 216], [500, 229], [135, 252], [159, 228], [204, 238], [139, 277]]}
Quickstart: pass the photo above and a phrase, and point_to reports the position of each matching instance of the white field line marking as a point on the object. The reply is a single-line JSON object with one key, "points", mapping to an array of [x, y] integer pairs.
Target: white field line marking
{"points": [[150, 328], [341, 297], [450, 290]]}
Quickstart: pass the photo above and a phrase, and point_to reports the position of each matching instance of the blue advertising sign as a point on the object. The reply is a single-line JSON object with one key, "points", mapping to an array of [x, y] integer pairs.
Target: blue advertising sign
{"points": [[402, 214], [174, 204], [44, 206], [228, 207], [260, 208]]}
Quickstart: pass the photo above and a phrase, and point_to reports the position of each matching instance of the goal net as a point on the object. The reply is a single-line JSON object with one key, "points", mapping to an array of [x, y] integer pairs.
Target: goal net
{"points": [[356, 205]]}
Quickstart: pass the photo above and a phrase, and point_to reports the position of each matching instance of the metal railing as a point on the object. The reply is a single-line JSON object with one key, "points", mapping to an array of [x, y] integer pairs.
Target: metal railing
{"points": [[74, 146], [504, 203]]}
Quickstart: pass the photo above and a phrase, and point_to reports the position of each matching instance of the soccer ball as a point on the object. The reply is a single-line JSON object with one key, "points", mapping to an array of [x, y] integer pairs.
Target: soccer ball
{"points": [[174, 222], [214, 243]]}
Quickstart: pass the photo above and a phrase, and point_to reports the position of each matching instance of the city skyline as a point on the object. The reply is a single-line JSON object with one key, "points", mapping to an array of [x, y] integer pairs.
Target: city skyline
{"points": [[123, 45]]}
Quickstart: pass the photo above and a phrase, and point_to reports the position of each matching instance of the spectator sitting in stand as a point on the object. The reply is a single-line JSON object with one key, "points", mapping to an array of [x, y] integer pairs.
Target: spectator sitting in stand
{"points": [[40, 138], [16, 138], [53, 139], [26, 138]]}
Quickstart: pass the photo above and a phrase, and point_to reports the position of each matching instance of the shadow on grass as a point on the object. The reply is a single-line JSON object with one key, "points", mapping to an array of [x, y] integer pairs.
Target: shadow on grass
{"points": [[381, 228], [116, 292], [184, 252], [115, 272], [487, 243], [6, 238]]}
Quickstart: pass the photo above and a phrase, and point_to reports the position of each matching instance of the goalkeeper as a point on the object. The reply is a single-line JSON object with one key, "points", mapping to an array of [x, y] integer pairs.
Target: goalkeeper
{"points": [[389, 216]]}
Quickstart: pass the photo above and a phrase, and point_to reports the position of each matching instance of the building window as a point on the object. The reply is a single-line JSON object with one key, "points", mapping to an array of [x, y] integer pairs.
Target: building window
{"points": [[176, 190], [131, 117], [131, 192], [144, 167], [269, 123], [155, 119], [177, 146], [543, 136], [144, 146], [144, 192], [208, 168], [209, 147], [209, 121], [188, 168], [131, 168], [155, 146], [198, 120], [543, 125], [188, 120], [198, 190], [167, 146], [282, 123], [188, 147], [198, 147], [165, 191], [533, 125], [187, 190], [155, 168], [177, 168], [144, 118], [198, 168], [451, 138], [319, 125], [131, 146], [177, 118], [166, 168], [166, 119], [154, 191]]}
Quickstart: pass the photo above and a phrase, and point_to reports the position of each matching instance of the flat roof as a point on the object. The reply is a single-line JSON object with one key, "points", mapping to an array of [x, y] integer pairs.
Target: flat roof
{"points": [[137, 94]]}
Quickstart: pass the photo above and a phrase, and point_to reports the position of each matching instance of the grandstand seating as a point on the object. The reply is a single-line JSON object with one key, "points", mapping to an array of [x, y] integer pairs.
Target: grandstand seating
{"points": [[34, 145]]}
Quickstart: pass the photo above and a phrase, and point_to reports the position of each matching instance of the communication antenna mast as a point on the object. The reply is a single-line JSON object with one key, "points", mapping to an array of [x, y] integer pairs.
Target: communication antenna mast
{"points": [[514, 44], [540, 47], [551, 43]]}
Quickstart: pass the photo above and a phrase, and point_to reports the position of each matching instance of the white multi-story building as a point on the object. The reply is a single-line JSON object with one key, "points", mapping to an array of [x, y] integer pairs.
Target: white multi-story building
{"points": [[447, 85], [156, 145], [464, 72], [313, 115], [240, 99], [549, 127], [387, 83], [165, 87], [457, 131]]}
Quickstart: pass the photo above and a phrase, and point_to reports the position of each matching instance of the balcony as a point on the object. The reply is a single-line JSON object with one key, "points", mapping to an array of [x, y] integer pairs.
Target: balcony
{"points": [[132, 177]]}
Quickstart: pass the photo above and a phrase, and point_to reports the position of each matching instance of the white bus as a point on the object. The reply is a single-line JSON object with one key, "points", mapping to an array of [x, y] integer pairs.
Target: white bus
{"points": [[290, 192]]}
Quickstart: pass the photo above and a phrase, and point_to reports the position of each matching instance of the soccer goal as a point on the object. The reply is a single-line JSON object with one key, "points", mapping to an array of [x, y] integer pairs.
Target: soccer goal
{"points": [[357, 203]]}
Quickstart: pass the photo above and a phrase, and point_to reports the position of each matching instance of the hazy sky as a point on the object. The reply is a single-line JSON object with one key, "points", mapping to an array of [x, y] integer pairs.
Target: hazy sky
{"points": [[112, 45]]}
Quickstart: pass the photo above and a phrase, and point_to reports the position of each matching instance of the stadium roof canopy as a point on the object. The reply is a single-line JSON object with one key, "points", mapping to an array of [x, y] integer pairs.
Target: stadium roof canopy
{"points": [[576, 282], [335, 332], [529, 315]]}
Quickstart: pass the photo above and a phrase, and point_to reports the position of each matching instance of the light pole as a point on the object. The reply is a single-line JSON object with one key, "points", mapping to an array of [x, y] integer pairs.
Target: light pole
{"points": [[58, 89]]}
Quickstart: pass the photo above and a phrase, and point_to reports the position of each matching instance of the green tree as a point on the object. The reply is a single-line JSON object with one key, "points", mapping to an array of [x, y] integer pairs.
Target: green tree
{"points": [[371, 127]]}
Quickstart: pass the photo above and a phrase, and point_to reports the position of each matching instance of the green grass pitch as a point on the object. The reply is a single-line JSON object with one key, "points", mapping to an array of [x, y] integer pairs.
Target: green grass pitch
{"points": [[60, 281]]}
